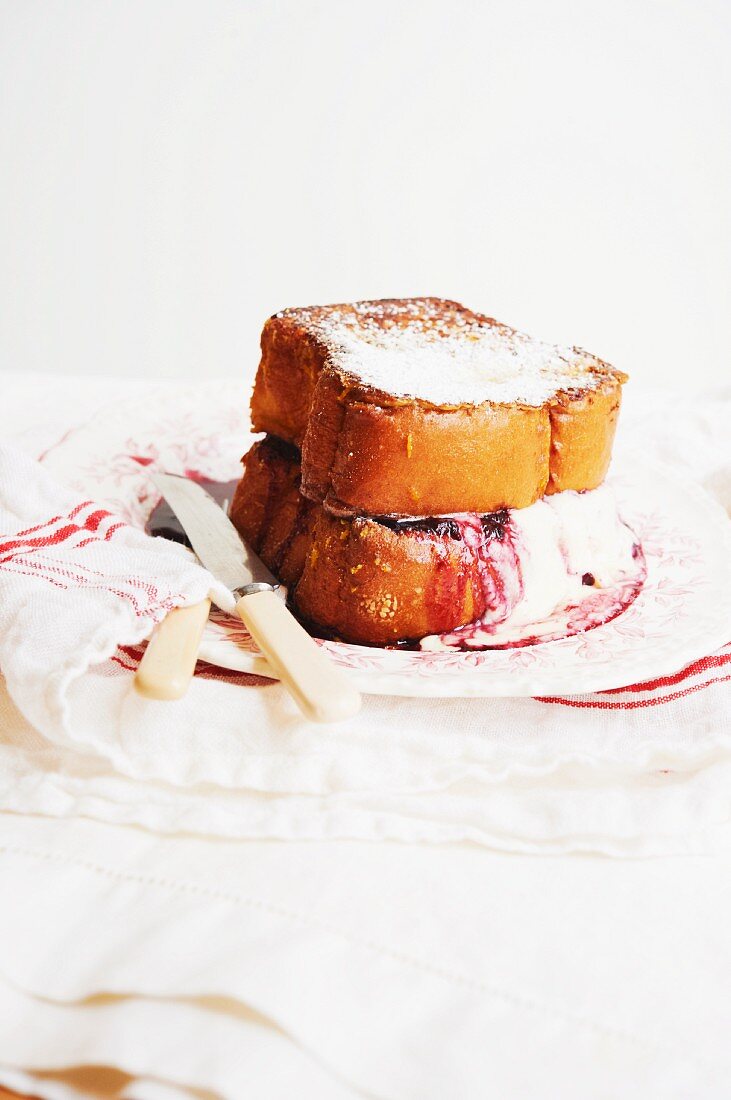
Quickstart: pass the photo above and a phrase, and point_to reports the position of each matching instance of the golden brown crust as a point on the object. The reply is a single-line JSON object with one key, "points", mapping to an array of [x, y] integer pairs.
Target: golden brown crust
{"points": [[582, 433], [367, 452], [355, 579], [413, 460], [291, 361]]}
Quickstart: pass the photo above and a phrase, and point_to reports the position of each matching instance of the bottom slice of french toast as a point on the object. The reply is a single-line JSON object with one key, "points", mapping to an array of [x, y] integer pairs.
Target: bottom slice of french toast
{"points": [[561, 566], [375, 581]]}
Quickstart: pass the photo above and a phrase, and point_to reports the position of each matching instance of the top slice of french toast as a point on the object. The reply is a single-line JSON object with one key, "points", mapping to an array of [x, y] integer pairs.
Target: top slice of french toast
{"points": [[429, 350], [414, 391]]}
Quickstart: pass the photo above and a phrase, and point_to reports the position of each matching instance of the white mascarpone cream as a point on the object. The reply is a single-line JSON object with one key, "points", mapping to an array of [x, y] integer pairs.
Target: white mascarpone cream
{"points": [[564, 565]]}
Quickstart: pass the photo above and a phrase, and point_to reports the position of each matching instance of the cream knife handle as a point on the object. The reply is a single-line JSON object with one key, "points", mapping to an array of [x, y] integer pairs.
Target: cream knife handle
{"points": [[168, 662], [320, 689]]}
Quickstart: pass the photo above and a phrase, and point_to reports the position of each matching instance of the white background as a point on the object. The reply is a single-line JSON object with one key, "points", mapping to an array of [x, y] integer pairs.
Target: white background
{"points": [[173, 171]]}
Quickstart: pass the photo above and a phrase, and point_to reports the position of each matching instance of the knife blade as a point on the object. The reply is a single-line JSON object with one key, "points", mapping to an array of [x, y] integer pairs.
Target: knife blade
{"points": [[212, 534], [320, 689]]}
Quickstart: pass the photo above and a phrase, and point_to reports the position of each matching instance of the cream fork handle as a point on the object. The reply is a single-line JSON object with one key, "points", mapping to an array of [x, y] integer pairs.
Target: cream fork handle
{"points": [[321, 690], [167, 664]]}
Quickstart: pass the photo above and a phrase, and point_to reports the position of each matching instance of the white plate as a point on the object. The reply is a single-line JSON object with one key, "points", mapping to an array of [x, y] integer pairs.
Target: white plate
{"points": [[682, 613]]}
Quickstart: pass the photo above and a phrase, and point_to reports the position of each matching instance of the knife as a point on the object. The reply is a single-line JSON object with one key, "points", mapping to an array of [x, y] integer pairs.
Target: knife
{"points": [[168, 663], [320, 689]]}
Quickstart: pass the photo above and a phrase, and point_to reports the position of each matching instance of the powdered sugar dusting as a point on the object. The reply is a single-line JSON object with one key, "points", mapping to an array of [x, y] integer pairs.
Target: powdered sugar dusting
{"points": [[485, 366], [444, 354]]}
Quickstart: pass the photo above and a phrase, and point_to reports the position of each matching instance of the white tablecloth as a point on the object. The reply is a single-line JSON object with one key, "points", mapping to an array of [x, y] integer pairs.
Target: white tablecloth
{"points": [[355, 969], [317, 969]]}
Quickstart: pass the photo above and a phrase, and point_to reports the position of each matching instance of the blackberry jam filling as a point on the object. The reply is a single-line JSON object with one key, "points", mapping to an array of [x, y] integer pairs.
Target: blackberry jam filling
{"points": [[493, 525]]}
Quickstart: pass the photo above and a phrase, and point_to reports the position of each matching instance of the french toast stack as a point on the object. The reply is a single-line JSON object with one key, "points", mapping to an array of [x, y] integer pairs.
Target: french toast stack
{"points": [[399, 435]]}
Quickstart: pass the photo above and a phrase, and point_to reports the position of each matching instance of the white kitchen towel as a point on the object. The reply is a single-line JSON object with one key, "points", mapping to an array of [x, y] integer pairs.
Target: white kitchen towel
{"points": [[626, 772], [76, 581]]}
